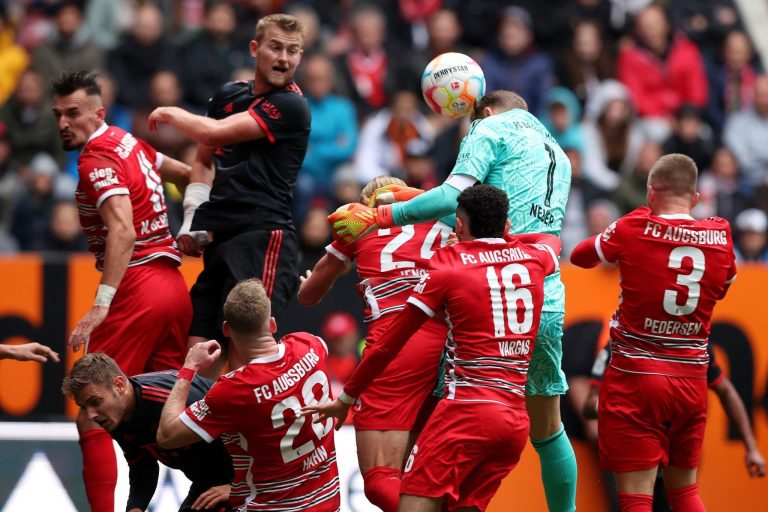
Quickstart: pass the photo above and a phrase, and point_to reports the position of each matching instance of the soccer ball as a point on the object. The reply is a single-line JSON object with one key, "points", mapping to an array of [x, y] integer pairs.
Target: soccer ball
{"points": [[451, 83]]}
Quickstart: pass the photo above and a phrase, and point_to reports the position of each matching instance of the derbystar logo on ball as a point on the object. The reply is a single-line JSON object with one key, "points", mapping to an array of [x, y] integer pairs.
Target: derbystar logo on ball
{"points": [[451, 84]]}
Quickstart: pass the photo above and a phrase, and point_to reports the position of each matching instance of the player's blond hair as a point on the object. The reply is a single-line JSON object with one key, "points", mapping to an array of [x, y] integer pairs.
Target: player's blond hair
{"points": [[500, 100], [378, 182], [247, 307], [674, 174], [94, 368], [284, 22]]}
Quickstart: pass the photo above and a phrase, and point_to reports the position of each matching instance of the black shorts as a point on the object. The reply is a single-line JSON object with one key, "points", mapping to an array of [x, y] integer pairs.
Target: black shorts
{"points": [[270, 255]]}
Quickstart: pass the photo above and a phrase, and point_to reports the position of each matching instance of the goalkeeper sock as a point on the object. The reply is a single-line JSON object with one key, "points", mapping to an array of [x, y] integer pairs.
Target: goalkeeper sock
{"points": [[382, 487], [635, 503], [686, 499], [558, 471], [99, 469]]}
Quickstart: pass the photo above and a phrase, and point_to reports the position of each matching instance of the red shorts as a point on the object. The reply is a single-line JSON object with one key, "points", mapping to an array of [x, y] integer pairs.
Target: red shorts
{"points": [[147, 325], [647, 421], [464, 452], [393, 401]]}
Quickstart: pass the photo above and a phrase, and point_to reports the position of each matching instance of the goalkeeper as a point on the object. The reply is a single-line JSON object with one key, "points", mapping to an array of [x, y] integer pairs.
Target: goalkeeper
{"points": [[508, 148]]}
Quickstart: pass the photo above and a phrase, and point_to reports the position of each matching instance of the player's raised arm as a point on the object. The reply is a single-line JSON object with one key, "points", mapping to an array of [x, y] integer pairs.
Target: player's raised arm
{"points": [[234, 129], [319, 280], [173, 170]]}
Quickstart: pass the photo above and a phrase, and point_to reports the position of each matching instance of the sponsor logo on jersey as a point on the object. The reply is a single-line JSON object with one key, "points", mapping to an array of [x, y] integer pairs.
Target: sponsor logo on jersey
{"points": [[271, 110], [101, 173], [199, 409], [609, 231]]}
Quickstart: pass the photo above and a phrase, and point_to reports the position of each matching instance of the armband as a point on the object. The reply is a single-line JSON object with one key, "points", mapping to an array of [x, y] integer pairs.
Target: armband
{"points": [[186, 374], [104, 295]]}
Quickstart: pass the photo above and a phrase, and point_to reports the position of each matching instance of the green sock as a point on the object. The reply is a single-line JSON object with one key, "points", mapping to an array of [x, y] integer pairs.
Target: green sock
{"points": [[558, 471]]}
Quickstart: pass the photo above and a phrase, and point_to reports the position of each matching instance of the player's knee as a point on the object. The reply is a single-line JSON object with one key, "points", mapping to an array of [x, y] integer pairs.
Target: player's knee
{"points": [[382, 487]]}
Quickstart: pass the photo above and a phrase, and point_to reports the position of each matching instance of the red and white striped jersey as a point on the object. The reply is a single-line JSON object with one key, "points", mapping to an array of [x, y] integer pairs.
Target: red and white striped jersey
{"points": [[114, 162], [292, 460], [491, 292], [390, 262], [673, 270]]}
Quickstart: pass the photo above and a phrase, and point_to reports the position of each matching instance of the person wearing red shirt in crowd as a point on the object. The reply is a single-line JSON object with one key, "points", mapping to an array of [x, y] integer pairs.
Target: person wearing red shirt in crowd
{"points": [[662, 70], [491, 291], [292, 457], [142, 310], [340, 333], [390, 262], [673, 270]]}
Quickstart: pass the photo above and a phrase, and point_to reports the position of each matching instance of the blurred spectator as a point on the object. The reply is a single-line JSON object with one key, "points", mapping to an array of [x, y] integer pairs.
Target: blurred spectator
{"points": [[574, 229], [690, 136], [561, 115], [209, 58], [514, 63], [746, 134], [662, 69], [31, 126], [342, 335], [32, 217], [601, 213], [443, 36], [315, 232], [416, 13], [418, 165], [10, 188], [250, 11], [731, 78], [69, 47], [315, 35], [632, 191], [752, 237], [164, 91], [140, 54], [612, 136], [373, 68], [346, 187], [13, 58], [64, 233], [588, 61], [705, 22], [333, 138], [106, 20], [722, 190], [385, 134]]}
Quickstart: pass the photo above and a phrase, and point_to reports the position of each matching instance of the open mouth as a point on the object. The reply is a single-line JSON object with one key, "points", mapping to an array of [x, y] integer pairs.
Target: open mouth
{"points": [[280, 69]]}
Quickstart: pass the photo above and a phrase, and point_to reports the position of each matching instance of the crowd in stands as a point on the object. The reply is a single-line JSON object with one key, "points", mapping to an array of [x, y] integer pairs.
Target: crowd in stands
{"points": [[618, 83]]}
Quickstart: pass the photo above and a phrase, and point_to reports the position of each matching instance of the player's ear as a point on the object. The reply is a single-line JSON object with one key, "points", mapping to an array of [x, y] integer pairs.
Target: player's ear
{"points": [[253, 46], [226, 330], [272, 325], [507, 226], [487, 112], [695, 201], [119, 383]]}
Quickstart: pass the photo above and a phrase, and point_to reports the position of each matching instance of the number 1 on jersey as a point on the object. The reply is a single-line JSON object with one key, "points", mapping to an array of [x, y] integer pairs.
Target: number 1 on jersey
{"points": [[509, 316]]}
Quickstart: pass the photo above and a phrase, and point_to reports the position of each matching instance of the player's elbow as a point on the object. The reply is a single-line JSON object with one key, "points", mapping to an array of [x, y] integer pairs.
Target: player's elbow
{"points": [[307, 298], [164, 440]]}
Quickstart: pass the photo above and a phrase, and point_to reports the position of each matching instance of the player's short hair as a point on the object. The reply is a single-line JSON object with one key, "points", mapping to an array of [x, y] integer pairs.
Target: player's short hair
{"points": [[485, 208], [501, 99], [284, 22], [247, 307], [378, 182], [67, 83], [674, 174], [94, 368]]}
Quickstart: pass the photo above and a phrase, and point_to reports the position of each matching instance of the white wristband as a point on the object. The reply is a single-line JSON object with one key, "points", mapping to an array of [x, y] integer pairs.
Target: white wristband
{"points": [[104, 295], [346, 399], [195, 195]]}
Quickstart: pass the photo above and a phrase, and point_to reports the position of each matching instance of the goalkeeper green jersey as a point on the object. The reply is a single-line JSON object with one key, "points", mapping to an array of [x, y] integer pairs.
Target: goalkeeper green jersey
{"points": [[514, 152]]}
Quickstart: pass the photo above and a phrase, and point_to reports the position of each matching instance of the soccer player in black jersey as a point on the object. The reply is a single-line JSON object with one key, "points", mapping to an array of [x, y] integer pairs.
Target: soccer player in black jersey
{"points": [[129, 409], [255, 135]]}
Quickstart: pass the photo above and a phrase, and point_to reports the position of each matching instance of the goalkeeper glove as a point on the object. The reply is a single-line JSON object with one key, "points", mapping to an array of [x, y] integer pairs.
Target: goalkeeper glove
{"points": [[389, 194], [353, 221]]}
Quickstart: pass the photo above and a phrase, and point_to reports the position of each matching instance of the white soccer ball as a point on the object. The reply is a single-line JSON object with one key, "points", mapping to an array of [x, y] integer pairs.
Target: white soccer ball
{"points": [[451, 84]]}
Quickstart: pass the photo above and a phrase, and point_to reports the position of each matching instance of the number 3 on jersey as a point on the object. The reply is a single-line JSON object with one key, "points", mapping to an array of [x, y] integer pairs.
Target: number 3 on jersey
{"points": [[690, 280], [288, 451]]}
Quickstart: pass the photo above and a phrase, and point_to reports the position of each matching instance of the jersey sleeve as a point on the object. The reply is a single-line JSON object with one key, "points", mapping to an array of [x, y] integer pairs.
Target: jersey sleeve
{"points": [[345, 253], [213, 414], [101, 177], [282, 116], [478, 151], [609, 243], [428, 294]]}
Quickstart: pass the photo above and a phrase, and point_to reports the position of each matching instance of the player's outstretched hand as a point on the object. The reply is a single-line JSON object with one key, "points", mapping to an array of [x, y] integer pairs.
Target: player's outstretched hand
{"points": [[453, 239], [86, 325], [192, 243], [755, 463], [352, 221], [31, 352], [159, 115], [202, 355], [211, 497], [389, 194], [336, 409]]}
